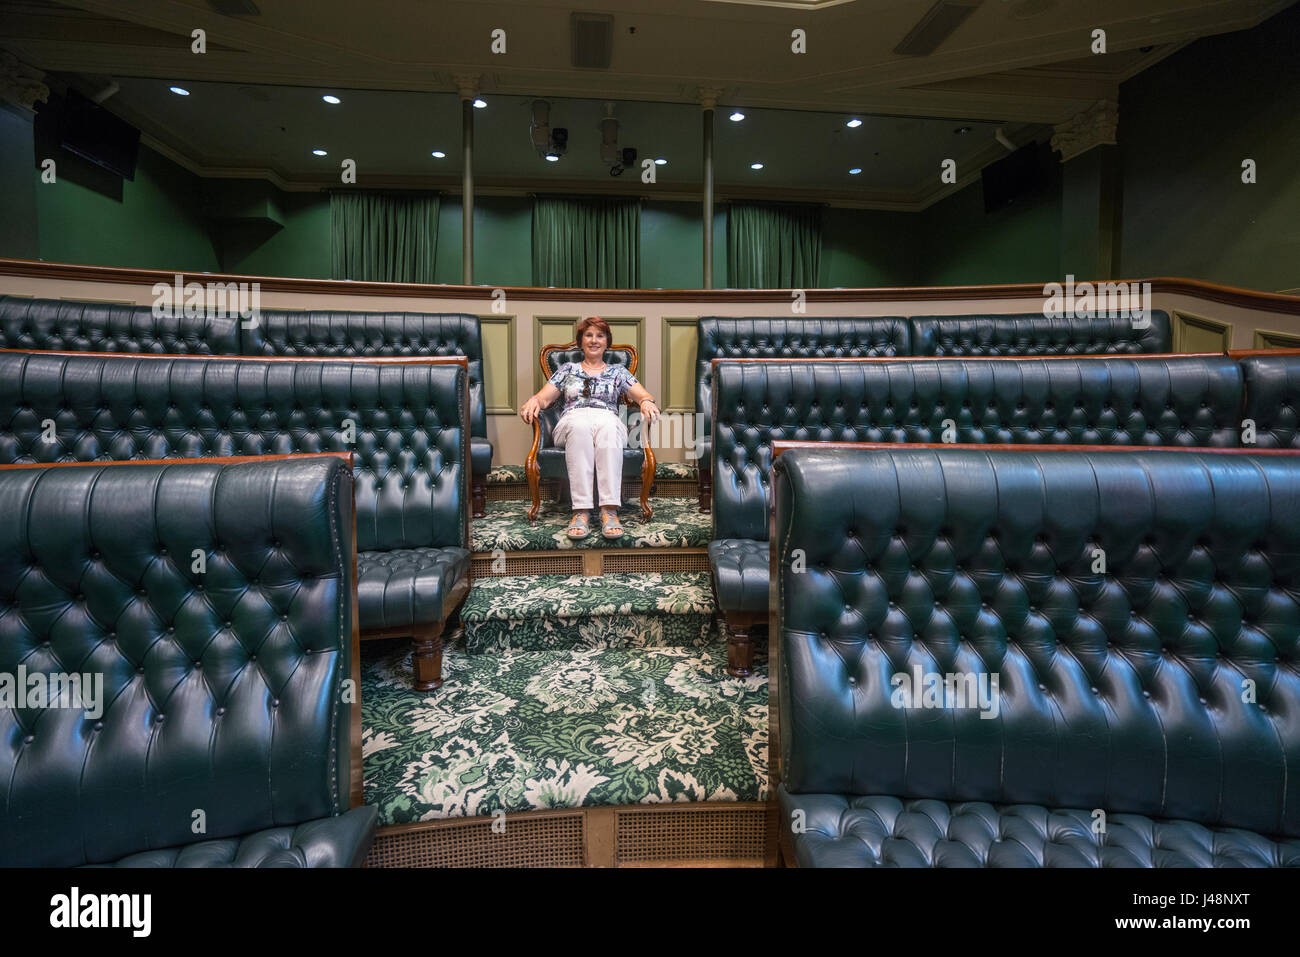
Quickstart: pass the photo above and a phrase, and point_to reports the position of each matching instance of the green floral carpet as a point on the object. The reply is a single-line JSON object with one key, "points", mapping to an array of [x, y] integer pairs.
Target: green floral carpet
{"points": [[677, 523], [537, 612], [511, 474], [523, 731]]}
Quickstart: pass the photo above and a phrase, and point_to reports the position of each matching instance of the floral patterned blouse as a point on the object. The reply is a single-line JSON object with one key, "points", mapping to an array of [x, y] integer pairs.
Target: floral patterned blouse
{"points": [[606, 389]]}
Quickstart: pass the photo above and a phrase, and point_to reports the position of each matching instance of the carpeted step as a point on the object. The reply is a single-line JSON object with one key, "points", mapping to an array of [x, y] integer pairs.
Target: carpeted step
{"points": [[523, 731], [677, 523], [537, 612]]}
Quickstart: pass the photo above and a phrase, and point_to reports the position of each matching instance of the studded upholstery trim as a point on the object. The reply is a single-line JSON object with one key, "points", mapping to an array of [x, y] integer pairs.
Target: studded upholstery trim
{"points": [[1141, 613], [1185, 401], [881, 831]]}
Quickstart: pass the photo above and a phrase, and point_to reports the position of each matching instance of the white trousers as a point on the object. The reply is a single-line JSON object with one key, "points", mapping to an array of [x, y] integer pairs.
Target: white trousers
{"points": [[593, 441]]}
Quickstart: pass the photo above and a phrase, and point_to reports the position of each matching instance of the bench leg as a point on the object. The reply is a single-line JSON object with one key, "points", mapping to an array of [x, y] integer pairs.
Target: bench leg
{"points": [[740, 651], [478, 496], [705, 479], [426, 657]]}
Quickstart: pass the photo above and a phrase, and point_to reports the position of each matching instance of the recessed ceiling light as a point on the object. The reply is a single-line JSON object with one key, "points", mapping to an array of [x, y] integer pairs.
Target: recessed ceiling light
{"points": [[755, 165], [855, 171], [179, 90], [661, 162], [319, 153], [480, 104], [552, 158], [439, 154], [736, 117], [331, 99], [854, 123], [962, 130]]}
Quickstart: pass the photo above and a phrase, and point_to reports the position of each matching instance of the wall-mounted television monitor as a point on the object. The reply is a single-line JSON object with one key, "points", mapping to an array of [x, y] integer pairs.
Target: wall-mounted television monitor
{"points": [[95, 134]]}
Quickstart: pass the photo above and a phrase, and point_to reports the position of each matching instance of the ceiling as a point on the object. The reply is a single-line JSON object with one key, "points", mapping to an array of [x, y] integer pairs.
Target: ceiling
{"points": [[255, 108]]}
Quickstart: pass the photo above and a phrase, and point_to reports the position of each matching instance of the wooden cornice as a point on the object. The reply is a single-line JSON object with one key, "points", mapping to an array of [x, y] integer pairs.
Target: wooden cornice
{"points": [[1198, 288]]}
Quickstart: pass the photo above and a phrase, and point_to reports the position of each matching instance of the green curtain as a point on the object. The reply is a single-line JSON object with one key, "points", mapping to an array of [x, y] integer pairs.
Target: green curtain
{"points": [[384, 237], [773, 246], [591, 243]]}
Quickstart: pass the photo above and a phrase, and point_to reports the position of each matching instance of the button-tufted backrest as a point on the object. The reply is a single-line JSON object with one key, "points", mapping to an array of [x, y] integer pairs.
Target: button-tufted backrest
{"points": [[404, 420], [752, 337], [1273, 400], [1034, 334], [1184, 401], [54, 324], [340, 332], [1139, 609], [219, 690]]}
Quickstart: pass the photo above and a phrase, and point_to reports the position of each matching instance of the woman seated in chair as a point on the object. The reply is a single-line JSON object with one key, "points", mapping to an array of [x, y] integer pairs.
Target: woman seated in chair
{"points": [[590, 430]]}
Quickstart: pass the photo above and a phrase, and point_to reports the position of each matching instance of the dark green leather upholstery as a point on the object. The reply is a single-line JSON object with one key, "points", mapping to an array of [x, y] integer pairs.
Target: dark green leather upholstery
{"points": [[1273, 400], [550, 458], [222, 690], [1192, 401], [1161, 689], [342, 332], [55, 324], [1037, 335], [409, 453], [778, 337], [884, 831]]}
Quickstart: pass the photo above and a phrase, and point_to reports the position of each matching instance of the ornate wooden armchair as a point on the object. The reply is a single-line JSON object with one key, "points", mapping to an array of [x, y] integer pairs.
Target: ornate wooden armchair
{"points": [[546, 460]]}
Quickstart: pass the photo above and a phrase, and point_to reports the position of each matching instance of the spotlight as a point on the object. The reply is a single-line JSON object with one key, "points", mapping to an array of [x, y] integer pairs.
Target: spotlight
{"points": [[319, 153], [962, 130], [439, 154], [755, 165], [331, 99], [552, 158], [179, 90], [854, 123], [661, 162], [480, 104], [736, 117], [855, 171]]}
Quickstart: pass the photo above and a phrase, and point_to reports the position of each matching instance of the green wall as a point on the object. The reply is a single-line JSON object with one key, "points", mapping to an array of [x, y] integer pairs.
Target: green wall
{"points": [[1185, 125], [1019, 243], [18, 238], [863, 247], [155, 222]]}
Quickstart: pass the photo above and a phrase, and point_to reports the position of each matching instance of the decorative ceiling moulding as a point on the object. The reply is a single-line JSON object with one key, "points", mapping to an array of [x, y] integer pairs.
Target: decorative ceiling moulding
{"points": [[1096, 126], [1214, 292], [21, 85]]}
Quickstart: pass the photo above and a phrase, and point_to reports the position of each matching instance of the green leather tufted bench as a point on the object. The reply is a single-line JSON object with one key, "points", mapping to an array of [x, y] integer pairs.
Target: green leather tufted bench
{"points": [[1144, 708], [1105, 400], [1033, 334], [221, 707], [782, 337], [404, 420], [58, 325]]}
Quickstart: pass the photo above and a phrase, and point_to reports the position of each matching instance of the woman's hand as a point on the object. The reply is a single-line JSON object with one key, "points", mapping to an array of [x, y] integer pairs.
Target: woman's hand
{"points": [[649, 411], [532, 408]]}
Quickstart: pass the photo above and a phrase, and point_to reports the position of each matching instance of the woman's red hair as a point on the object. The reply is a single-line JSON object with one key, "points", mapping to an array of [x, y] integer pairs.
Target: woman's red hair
{"points": [[597, 323]]}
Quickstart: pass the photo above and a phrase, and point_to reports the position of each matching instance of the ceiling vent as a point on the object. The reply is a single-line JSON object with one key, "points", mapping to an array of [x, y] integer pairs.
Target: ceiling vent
{"points": [[592, 39], [235, 8], [936, 26]]}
